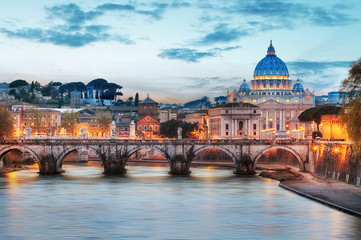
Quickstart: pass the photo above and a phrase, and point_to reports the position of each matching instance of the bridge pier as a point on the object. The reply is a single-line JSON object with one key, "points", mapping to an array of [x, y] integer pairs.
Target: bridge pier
{"points": [[179, 165], [244, 166], [115, 166], [47, 165]]}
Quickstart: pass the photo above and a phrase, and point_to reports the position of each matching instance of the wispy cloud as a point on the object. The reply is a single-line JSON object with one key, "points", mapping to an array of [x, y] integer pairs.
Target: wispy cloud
{"points": [[222, 33], [310, 68], [192, 55], [265, 15], [75, 30]]}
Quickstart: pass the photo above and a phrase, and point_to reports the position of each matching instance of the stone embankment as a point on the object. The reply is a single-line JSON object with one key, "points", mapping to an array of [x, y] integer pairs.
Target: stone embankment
{"points": [[341, 196]]}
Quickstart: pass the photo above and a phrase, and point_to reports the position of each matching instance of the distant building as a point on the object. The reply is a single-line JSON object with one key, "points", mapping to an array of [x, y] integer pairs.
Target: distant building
{"points": [[148, 107], [4, 91], [75, 99], [234, 121], [332, 98], [196, 117], [166, 114]]}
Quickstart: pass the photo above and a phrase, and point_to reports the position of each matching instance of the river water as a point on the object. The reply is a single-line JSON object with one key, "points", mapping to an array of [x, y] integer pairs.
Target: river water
{"points": [[148, 203]]}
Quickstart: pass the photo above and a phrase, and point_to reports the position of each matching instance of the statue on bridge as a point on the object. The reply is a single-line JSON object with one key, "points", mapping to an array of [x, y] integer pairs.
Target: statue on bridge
{"points": [[83, 132], [113, 129], [179, 133], [28, 131]]}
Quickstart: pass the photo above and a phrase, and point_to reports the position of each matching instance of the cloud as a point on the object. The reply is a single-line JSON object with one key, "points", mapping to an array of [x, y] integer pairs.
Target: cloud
{"points": [[72, 14], [155, 10], [185, 54], [287, 13], [192, 55], [311, 68], [222, 34], [74, 31]]}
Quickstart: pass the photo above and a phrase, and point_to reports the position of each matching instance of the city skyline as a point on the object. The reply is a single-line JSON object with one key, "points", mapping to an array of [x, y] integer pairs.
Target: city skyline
{"points": [[177, 50]]}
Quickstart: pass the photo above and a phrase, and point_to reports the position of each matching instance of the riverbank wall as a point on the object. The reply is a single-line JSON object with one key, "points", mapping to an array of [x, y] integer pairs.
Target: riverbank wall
{"points": [[335, 160]]}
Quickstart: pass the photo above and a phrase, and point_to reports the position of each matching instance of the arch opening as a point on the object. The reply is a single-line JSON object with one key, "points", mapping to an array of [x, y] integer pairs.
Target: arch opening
{"points": [[14, 157], [276, 158], [212, 156], [151, 156], [72, 159]]}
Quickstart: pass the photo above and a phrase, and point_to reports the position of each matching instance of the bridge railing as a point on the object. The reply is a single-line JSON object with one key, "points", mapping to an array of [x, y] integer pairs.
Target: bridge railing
{"points": [[68, 140]]}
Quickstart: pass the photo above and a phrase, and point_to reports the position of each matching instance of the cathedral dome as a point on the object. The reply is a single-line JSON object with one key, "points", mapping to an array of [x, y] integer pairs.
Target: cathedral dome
{"points": [[244, 86], [271, 67], [298, 86]]}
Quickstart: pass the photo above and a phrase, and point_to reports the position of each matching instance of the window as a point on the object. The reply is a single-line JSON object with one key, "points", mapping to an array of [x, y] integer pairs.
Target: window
{"points": [[254, 126], [278, 127], [254, 111], [240, 125], [296, 100], [254, 133], [147, 118], [151, 128], [227, 126], [245, 100], [254, 100], [156, 128], [226, 111], [145, 127], [227, 133], [140, 127]]}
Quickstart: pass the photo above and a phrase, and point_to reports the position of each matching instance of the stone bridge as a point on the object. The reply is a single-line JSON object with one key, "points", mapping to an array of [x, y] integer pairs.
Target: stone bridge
{"points": [[114, 153]]}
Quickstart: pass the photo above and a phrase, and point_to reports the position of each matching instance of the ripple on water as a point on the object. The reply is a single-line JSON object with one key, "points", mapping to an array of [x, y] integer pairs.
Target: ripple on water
{"points": [[149, 203]]}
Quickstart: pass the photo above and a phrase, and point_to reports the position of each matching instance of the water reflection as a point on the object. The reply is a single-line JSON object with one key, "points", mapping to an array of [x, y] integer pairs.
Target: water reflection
{"points": [[149, 203]]}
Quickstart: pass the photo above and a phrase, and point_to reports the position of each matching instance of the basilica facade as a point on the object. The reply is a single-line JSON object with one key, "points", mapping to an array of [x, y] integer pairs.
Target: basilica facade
{"points": [[280, 101]]}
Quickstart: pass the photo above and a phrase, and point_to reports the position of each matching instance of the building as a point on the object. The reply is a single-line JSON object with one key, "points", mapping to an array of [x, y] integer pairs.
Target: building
{"points": [[234, 121], [331, 128], [166, 114], [148, 107], [332, 98], [75, 99], [148, 126], [279, 101], [42, 121]]}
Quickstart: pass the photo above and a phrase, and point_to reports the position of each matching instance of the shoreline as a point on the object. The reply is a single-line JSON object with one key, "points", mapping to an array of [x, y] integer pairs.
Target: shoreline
{"points": [[337, 195]]}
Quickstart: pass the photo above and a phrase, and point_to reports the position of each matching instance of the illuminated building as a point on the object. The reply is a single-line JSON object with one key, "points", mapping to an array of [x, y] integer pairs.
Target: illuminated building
{"points": [[279, 101], [234, 120]]}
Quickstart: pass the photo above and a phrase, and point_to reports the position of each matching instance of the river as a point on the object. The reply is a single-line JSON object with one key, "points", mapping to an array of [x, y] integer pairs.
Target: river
{"points": [[148, 203]]}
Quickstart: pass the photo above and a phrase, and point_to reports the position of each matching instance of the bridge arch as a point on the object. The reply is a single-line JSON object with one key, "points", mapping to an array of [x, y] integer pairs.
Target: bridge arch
{"points": [[225, 150], [67, 151], [156, 148], [22, 149], [293, 152]]}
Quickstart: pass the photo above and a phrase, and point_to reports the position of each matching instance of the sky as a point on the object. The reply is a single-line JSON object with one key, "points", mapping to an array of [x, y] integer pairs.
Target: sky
{"points": [[181, 50]]}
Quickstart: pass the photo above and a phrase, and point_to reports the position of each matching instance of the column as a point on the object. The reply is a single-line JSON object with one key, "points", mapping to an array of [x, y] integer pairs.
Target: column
{"points": [[275, 119], [267, 119]]}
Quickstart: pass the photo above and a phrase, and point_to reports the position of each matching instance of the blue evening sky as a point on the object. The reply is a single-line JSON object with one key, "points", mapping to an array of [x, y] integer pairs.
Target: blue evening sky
{"points": [[177, 50]]}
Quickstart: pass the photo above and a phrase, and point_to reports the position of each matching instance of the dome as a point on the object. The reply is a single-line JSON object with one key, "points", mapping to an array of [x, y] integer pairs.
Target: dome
{"points": [[271, 66], [298, 86], [244, 86]]}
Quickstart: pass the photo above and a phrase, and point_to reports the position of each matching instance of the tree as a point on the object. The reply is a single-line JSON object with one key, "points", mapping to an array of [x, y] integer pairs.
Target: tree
{"points": [[351, 111], [315, 113], [36, 119], [18, 83], [6, 123], [70, 122], [169, 128], [104, 120], [136, 101]]}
